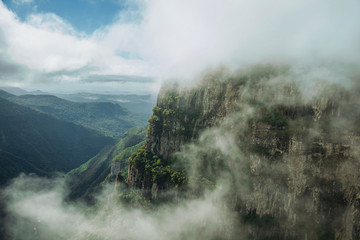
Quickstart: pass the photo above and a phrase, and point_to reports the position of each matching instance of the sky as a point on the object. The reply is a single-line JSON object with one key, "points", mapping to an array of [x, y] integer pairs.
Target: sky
{"points": [[132, 46], [79, 13]]}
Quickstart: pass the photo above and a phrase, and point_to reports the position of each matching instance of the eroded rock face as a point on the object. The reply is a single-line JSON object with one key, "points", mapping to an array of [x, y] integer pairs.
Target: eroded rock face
{"points": [[304, 182], [292, 164]]}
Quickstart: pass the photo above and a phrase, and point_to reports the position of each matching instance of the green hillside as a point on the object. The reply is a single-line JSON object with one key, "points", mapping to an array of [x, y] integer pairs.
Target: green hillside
{"points": [[87, 178], [31, 141]]}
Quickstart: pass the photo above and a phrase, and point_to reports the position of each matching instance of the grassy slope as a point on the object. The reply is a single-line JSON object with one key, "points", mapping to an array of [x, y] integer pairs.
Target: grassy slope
{"points": [[88, 178]]}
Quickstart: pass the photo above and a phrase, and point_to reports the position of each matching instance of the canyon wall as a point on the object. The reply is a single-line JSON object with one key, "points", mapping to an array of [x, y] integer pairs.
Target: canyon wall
{"points": [[289, 161]]}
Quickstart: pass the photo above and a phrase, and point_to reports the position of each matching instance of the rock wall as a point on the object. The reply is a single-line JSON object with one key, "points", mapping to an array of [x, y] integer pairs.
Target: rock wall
{"points": [[292, 163]]}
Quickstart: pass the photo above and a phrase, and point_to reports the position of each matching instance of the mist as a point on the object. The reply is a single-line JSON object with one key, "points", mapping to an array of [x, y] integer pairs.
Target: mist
{"points": [[299, 60], [235, 173], [38, 210], [178, 39]]}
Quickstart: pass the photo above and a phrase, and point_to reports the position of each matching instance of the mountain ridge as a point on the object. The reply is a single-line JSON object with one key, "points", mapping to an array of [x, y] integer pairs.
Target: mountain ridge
{"points": [[289, 162], [109, 118], [42, 143]]}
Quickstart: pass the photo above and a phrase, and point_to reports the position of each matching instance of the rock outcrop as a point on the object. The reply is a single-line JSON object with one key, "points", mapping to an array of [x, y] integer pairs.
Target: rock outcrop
{"points": [[291, 163]]}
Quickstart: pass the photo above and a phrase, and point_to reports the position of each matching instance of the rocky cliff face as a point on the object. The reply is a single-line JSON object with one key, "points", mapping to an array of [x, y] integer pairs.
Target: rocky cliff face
{"points": [[290, 164]]}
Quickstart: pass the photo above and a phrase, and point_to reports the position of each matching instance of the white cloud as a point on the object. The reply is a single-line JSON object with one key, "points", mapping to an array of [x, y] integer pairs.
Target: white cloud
{"points": [[42, 213], [50, 22], [43, 43], [181, 38], [20, 2], [46, 44], [203, 33]]}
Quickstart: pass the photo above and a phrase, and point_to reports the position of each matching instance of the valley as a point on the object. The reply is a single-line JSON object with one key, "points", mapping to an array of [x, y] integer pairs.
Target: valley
{"points": [[179, 120], [247, 152]]}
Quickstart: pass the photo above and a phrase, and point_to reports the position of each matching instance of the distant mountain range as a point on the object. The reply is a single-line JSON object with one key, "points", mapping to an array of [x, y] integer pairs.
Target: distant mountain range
{"points": [[15, 90], [35, 142], [44, 134], [133, 102], [109, 118], [78, 134]]}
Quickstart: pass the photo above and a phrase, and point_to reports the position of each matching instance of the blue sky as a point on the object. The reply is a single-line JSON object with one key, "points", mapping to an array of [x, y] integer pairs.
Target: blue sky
{"points": [[133, 45], [84, 15]]}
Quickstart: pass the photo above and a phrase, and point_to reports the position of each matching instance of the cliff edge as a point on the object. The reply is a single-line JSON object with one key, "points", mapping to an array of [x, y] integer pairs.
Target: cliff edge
{"points": [[289, 161]]}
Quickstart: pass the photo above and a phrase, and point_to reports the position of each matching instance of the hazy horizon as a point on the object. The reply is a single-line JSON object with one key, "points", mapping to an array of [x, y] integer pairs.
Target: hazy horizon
{"points": [[105, 91], [136, 45]]}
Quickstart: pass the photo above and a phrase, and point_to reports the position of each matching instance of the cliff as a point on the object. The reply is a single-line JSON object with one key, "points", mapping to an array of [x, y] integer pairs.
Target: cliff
{"points": [[290, 162]]}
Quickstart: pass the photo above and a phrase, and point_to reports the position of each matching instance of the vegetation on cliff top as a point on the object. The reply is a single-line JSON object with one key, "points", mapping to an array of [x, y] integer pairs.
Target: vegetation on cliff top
{"points": [[156, 169]]}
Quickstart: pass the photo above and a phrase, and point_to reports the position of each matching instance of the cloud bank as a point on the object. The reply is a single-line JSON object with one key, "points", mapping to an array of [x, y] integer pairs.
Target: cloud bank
{"points": [[38, 211], [179, 39]]}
